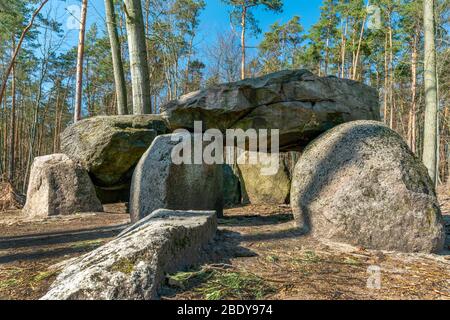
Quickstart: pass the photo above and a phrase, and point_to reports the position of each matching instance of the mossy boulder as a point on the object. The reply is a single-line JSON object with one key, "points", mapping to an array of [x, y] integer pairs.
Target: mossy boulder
{"points": [[260, 188], [109, 147], [359, 183], [298, 103]]}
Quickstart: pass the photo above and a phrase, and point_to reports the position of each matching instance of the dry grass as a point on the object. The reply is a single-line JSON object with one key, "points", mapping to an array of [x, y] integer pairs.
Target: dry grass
{"points": [[257, 254], [267, 248]]}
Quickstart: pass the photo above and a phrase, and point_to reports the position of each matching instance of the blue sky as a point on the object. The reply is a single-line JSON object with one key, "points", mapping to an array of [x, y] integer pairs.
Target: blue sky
{"points": [[214, 18]]}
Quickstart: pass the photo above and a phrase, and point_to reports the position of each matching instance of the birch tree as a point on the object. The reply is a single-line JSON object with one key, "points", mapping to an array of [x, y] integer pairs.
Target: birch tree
{"points": [[431, 100]]}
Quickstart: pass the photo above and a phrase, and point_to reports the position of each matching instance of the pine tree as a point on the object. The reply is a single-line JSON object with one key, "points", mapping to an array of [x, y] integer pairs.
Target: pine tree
{"points": [[119, 76], [242, 16]]}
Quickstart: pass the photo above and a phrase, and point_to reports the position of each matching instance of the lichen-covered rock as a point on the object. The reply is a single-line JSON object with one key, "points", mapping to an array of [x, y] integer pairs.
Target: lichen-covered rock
{"points": [[298, 103], [360, 184], [266, 189], [160, 183], [231, 186], [110, 146], [133, 266], [59, 186]]}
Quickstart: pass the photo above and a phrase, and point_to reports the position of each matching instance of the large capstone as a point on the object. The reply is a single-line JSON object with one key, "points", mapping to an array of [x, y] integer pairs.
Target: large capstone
{"points": [[298, 103], [360, 184], [133, 266], [160, 182], [109, 147], [59, 186]]}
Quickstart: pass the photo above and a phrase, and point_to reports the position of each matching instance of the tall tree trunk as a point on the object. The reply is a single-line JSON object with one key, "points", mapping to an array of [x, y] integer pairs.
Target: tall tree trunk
{"points": [[140, 83], [57, 111], [391, 77], [327, 54], [386, 80], [12, 133], [355, 62], [431, 106], [412, 112], [344, 48], [4, 154], [243, 26], [188, 66], [119, 77], [80, 55]]}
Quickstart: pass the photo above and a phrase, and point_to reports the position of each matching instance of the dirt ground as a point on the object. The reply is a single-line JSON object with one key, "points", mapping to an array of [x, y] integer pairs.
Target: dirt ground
{"points": [[257, 254]]}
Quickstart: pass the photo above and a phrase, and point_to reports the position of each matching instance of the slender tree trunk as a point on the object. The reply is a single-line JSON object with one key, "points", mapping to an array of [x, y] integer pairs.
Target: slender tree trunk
{"points": [[188, 67], [386, 80], [57, 111], [327, 54], [119, 77], [12, 134], [5, 138], [412, 112], [79, 81], [431, 106], [243, 26], [140, 82], [391, 77], [344, 48], [355, 62]]}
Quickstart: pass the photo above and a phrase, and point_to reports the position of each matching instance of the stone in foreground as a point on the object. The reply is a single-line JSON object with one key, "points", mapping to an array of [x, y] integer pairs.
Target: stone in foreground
{"points": [[59, 186], [110, 146], [133, 266], [360, 184], [160, 183], [298, 103]]}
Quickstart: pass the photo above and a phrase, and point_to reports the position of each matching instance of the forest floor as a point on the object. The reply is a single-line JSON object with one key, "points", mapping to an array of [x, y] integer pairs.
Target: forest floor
{"points": [[257, 254]]}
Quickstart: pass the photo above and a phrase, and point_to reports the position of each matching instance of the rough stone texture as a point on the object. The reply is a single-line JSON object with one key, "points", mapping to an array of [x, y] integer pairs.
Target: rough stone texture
{"points": [[59, 186], [110, 146], [10, 198], [159, 183], [266, 189], [360, 184], [231, 186], [133, 265], [298, 103]]}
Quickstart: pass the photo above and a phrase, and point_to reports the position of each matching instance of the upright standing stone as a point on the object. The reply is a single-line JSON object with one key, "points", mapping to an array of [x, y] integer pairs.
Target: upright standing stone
{"points": [[271, 188], [59, 186], [159, 183], [360, 184], [231, 186]]}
